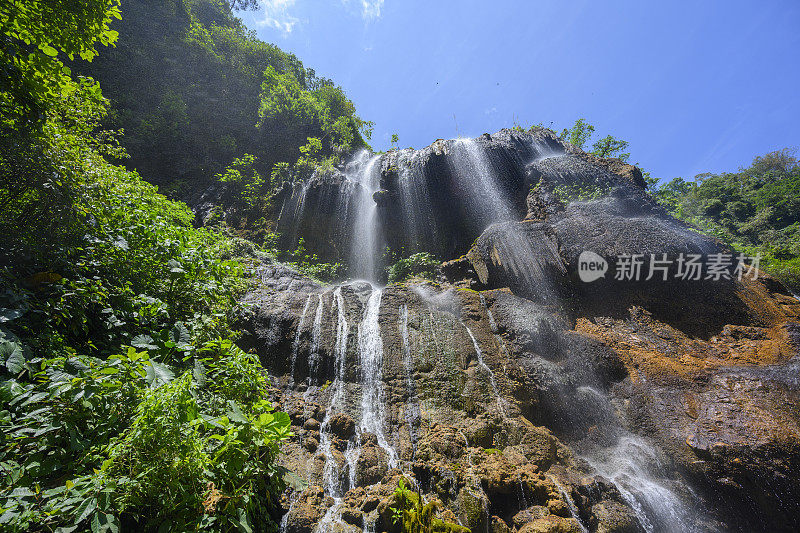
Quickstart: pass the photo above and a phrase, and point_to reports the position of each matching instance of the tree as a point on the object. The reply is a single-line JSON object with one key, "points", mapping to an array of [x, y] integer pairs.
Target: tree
{"points": [[34, 32], [395, 140], [610, 146], [579, 133], [245, 181]]}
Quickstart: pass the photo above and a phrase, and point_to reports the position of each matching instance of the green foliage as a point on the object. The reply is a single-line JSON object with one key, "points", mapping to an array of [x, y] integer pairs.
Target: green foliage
{"points": [[756, 210], [245, 182], [115, 444], [107, 294], [213, 92], [395, 140], [422, 265], [310, 265], [579, 133], [34, 33], [610, 146], [580, 192], [320, 114], [410, 515]]}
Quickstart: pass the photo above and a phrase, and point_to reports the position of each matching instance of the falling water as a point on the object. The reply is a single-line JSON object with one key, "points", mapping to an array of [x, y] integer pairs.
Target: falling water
{"points": [[332, 477], [412, 409], [573, 509], [487, 370], [316, 334], [364, 248], [370, 351], [489, 315], [633, 466], [292, 211], [296, 343], [475, 173], [415, 202]]}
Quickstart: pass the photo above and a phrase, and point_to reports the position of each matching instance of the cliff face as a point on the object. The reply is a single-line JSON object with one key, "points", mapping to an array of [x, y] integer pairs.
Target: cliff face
{"points": [[518, 396]]}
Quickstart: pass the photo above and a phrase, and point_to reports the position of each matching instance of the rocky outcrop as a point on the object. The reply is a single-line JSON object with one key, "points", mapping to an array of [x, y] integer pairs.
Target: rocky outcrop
{"points": [[514, 394]]}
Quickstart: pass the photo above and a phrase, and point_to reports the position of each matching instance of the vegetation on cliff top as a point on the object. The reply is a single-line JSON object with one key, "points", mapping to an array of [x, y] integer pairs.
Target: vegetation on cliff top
{"points": [[755, 210]]}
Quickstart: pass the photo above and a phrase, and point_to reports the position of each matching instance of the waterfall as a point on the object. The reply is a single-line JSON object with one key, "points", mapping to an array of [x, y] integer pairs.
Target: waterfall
{"points": [[415, 202], [332, 476], [487, 370], [365, 242], [370, 351], [489, 315], [474, 172], [316, 334], [633, 466], [296, 342], [292, 212], [573, 509], [412, 409]]}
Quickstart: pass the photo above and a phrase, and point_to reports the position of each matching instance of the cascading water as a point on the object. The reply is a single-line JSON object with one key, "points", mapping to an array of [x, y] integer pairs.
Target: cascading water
{"points": [[628, 461], [487, 370], [415, 201], [634, 467], [412, 409], [296, 343], [316, 335], [365, 232], [573, 510], [370, 351], [478, 179], [332, 475]]}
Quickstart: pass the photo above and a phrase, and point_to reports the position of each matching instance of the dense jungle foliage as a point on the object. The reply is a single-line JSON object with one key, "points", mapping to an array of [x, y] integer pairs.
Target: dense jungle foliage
{"points": [[756, 210], [124, 402], [195, 92]]}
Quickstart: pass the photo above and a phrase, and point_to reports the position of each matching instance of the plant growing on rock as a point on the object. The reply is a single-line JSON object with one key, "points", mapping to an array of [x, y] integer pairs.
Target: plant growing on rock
{"points": [[412, 516], [245, 182], [422, 265]]}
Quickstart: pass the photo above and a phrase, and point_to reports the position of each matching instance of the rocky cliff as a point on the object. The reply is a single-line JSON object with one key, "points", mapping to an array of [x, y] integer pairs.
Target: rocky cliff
{"points": [[509, 392]]}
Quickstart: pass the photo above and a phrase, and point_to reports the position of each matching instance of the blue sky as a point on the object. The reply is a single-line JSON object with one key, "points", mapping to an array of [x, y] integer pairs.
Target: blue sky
{"points": [[693, 86]]}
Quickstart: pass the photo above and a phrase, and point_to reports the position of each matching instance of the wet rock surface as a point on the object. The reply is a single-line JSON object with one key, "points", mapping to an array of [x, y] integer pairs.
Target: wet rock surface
{"points": [[540, 402]]}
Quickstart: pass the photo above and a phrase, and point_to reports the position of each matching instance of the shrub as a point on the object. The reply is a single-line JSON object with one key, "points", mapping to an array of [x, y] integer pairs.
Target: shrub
{"points": [[421, 265]]}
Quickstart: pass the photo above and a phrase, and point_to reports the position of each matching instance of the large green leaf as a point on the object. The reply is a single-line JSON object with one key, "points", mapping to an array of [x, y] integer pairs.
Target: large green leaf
{"points": [[144, 342], [158, 374], [12, 354], [199, 373], [179, 334], [85, 509]]}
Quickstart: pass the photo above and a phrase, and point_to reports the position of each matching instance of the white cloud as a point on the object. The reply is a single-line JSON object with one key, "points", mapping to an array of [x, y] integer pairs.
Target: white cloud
{"points": [[371, 9], [276, 15]]}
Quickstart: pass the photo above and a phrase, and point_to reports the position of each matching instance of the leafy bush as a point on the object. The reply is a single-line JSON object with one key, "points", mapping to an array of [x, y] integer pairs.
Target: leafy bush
{"points": [[245, 182], [122, 441], [410, 515], [422, 265], [310, 265]]}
